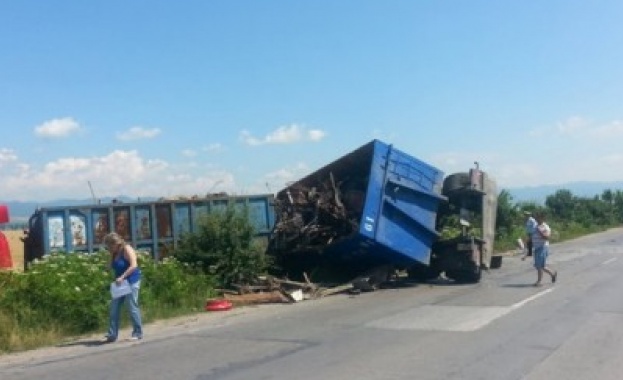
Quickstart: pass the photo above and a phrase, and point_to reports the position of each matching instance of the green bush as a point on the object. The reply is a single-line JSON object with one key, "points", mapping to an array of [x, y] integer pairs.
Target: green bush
{"points": [[70, 290], [171, 287], [224, 246]]}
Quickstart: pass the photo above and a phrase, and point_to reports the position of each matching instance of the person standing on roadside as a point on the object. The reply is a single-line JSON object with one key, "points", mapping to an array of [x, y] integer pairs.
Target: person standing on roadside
{"points": [[540, 242], [124, 263], [530, 227]]}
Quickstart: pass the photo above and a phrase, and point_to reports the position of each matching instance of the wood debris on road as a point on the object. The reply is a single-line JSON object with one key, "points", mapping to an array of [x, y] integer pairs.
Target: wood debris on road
{"points": [[270, 289]]}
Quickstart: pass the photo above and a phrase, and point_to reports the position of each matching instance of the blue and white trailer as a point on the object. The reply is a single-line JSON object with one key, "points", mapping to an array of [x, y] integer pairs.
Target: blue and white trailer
{"points": [[153, 226]]}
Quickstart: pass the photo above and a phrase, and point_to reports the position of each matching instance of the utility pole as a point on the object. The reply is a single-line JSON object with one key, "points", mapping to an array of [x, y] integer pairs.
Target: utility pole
{"points": [[92, 193]]}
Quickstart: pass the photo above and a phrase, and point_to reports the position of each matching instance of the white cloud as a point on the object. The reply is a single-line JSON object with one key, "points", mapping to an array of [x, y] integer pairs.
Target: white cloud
{"points": [[7, 156], [611, 130], [188, 184], [572, 126], [138, 133], [118, 173], [316, 134], [283, 177], [284, 135], [117, 169], [189, 153], [512, 174], [214, 148], [615, 159], [569, 151], [57, 128], [581, 128]]}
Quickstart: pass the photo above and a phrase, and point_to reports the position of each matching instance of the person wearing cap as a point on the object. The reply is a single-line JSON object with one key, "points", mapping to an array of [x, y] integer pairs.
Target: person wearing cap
{"points": [[530, 227]]}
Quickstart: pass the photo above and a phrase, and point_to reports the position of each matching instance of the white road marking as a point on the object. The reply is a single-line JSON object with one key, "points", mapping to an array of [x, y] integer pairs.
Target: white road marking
{"points": [[531, 298], [609, 261], [448, 317]]}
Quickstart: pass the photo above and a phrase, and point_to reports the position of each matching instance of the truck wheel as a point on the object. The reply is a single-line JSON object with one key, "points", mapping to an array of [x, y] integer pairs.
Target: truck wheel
{"points": [[466, 276], [474, 276]]}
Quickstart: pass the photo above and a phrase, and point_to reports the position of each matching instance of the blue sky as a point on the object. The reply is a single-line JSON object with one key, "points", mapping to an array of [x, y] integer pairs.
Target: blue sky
{"points": [[163, 98]]}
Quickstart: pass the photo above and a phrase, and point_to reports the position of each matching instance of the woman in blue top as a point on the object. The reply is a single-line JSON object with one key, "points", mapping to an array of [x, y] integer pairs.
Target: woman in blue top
{"points": [[124, 262]]}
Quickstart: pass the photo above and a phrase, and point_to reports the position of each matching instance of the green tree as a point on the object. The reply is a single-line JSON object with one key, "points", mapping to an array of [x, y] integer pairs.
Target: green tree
{"points": [[618, 206], [562, 205], [507, 215]]}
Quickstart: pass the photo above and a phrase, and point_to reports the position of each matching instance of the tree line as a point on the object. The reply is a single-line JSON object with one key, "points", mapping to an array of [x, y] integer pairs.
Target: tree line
{"points": [[568, 215]]}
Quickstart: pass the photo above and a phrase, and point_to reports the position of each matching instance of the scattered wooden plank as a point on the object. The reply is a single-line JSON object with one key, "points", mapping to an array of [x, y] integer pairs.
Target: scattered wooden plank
{"points": [[257, 298], [334, 290]]}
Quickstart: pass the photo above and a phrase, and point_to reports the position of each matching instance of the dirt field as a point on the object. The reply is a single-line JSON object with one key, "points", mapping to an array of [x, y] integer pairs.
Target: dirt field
{"points": [[17, 248]]}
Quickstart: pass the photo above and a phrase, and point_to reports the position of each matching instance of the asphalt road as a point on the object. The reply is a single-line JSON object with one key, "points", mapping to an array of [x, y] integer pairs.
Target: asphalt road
{"points": [[501, 328]]}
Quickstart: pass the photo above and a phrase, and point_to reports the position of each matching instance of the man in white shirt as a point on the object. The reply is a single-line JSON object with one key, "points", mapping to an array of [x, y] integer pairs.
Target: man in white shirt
{"points": [[540, 243]]}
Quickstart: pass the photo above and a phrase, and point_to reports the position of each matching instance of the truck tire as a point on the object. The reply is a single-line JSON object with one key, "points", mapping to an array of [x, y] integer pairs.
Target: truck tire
{"points": [[465, 276]]}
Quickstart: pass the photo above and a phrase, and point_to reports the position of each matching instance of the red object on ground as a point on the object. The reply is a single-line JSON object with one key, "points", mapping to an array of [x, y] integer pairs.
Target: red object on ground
{"points": [[218, 305], [4, 214], [6, 262]]}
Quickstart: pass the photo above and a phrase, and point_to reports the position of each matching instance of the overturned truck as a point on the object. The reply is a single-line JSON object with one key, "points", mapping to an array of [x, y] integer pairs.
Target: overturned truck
{"points": [[378, 207]]}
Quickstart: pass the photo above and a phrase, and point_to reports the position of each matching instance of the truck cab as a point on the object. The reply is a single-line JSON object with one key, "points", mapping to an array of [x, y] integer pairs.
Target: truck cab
{"points": [[466, 223]]}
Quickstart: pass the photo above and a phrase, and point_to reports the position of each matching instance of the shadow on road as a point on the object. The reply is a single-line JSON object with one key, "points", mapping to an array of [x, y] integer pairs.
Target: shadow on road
{"points": [[84, 343]]}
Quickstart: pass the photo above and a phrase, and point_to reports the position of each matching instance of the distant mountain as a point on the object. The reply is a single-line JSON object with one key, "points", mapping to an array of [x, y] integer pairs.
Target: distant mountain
{"points": [[538, 194]]}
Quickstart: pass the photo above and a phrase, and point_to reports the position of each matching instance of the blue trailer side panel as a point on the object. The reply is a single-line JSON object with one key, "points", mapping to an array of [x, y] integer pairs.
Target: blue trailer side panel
{"points": [[153, 226], [401, 204], [408, 203]]}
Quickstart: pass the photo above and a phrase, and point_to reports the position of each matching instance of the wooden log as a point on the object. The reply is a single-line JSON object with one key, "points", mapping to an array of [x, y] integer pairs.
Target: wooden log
{"points": [[244, 289], [227, 291], [302, 285], [257, 298], [335, 290], [307, 281]]}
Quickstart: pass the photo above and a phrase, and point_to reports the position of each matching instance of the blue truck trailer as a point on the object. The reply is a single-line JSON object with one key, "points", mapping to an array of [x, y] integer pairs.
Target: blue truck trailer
{"points": [[153, 226], [380, 207]]}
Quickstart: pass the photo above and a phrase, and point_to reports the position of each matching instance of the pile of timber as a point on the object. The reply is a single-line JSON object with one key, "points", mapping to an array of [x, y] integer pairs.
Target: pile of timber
{"points": [[269, 289], [315, 215], [275, 290]]}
